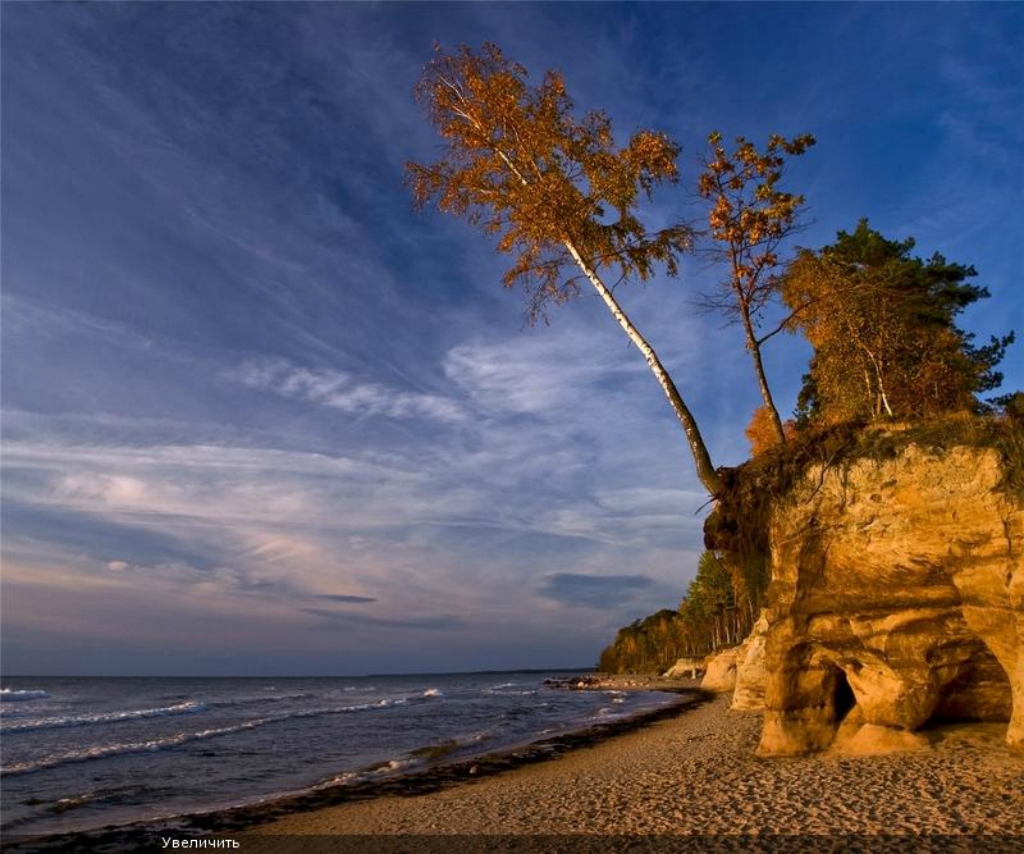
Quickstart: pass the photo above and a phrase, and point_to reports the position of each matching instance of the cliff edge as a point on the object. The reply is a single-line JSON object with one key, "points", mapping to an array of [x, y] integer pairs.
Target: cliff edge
{"points": [[895, 559], [896, 599]]}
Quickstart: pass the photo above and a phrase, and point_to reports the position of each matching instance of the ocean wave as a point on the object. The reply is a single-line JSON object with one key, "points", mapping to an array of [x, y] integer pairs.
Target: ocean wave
{"points": [[110, 750], [390, 766], [190, 707], [126, 794], [73, 803], [503, 690], [433, 692], [10, 695], [107, 750], [605, 712], [253, 701], [394, 765]]}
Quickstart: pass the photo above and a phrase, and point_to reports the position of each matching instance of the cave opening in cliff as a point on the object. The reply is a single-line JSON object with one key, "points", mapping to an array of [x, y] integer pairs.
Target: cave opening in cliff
{"points": [[979, 691], [843, 698]]}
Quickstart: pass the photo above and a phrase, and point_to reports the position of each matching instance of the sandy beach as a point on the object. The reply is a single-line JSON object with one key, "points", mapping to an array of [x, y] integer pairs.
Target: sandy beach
{"points": [[697, 774]]}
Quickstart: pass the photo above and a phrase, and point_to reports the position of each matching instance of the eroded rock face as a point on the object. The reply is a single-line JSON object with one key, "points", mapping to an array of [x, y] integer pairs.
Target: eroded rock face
{"points": [[721, 671], [750, 669], [685, 668], [897, 593]]}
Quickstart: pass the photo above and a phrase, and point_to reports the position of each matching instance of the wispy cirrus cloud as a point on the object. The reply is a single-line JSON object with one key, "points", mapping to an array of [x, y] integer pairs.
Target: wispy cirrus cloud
{"points": [[534, 374], [237, 363], [340, 390]]}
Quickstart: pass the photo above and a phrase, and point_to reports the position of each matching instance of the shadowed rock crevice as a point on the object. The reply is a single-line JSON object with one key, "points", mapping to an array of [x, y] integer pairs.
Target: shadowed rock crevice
{"points": [[977, 690], [843, 698]]}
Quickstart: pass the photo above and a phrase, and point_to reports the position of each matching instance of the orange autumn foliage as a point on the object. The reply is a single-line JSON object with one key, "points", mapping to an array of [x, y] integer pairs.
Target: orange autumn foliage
{"points": [[555, 191], [761, 431], [750, 218]]}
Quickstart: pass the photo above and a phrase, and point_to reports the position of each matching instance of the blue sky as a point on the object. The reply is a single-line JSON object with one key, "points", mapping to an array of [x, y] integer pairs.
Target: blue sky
{"points": [[260, 417]]}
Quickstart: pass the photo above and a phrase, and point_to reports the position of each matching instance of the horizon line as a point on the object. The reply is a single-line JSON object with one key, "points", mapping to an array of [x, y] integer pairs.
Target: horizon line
{"points": [[300, 676]]}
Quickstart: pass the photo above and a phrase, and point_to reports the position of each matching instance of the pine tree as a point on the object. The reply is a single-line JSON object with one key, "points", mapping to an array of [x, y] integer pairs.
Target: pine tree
{"points": [[883, 327]]}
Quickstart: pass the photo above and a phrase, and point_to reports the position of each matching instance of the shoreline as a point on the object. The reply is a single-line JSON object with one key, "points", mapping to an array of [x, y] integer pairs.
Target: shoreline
{"points": [[692, 782], [680, 778], [438, 776]]}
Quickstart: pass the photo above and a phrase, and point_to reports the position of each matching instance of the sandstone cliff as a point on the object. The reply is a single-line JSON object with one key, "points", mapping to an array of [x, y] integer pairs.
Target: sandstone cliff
{"points": [[750, 669], [720, 675], [686, 668], [896, 599]]}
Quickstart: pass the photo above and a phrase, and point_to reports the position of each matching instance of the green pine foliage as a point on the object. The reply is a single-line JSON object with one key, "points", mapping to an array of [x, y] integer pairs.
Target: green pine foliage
{"points": [[883, 327]]}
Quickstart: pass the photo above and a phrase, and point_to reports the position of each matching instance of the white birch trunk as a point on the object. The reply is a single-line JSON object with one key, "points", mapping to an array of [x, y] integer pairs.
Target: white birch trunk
{"points": [[705, 470]]}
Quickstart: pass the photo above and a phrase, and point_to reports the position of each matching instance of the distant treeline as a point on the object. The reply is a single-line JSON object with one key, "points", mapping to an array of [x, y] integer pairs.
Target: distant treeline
{"points": [[718, 610]]}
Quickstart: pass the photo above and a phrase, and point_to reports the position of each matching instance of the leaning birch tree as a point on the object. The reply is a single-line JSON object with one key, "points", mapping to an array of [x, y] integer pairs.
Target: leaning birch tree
{"points": [[555, 191]]}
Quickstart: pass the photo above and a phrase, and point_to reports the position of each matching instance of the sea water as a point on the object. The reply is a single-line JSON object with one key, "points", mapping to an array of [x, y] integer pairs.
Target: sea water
{"points": [[82, 753]]}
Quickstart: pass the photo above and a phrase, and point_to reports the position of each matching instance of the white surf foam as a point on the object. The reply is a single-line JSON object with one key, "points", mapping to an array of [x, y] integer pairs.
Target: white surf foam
{"points": [[10, 695], [108, 750], [190, 707]]}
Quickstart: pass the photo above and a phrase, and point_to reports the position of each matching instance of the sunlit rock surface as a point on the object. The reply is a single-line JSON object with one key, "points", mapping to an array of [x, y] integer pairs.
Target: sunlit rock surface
{"points": [[685, 668], [721, 671], [750, 669], [897, 599]]}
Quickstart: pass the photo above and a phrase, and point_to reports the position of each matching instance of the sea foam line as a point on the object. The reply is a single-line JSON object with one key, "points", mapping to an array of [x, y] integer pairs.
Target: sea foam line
{"points": [[190, 707], [108, 750], [8, 694]]}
